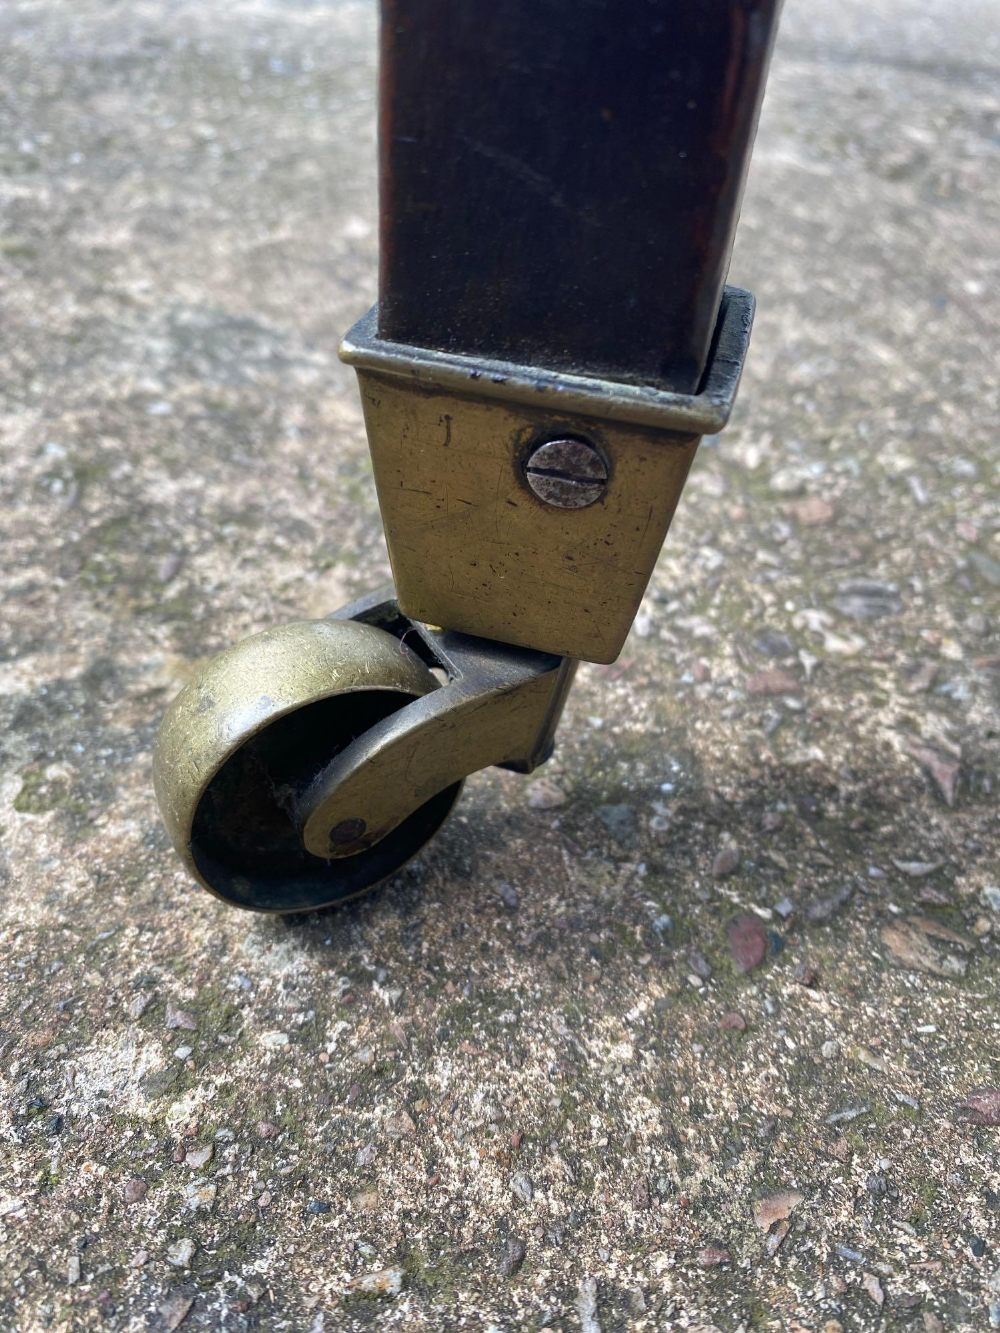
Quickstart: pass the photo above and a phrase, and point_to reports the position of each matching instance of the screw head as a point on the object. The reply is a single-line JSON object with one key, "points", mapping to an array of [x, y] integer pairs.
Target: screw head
{"points": [[567, 473]]}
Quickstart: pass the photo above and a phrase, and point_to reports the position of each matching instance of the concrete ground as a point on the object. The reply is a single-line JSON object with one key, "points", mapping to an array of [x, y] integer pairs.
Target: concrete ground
{"points": [[699, 1029]]}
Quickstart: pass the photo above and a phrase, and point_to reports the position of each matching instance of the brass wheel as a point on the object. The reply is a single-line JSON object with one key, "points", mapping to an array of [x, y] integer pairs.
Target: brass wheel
{"points": [[245, 739]]}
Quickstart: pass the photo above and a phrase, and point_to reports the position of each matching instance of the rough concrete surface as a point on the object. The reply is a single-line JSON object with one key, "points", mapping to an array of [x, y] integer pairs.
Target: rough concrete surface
{"points": [[699, 1028]]}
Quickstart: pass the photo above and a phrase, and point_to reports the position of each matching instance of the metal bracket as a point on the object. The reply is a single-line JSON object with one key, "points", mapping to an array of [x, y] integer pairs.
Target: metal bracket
{"points": [[701, 413], [500, 706], [473, 545]]}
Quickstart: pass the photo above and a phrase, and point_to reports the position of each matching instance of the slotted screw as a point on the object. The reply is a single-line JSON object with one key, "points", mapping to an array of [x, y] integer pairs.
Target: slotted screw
{"points": [[567, 473]]}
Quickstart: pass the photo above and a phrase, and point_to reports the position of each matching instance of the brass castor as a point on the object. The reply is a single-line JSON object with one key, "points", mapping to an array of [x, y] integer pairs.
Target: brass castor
{"points": [[311, 761], [246, 737]]}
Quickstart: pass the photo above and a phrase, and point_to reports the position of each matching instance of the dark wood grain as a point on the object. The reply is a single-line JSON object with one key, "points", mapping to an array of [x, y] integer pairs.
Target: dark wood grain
{"points": [[560, 181]]}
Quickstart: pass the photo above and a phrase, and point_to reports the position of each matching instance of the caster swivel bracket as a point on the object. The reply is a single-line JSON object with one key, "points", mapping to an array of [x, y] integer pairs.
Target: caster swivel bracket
{"points": [[307, 763], [500, 706]]}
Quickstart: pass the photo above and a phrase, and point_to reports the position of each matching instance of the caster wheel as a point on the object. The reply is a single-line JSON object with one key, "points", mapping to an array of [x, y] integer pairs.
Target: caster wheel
{"points": [[246, 737]]}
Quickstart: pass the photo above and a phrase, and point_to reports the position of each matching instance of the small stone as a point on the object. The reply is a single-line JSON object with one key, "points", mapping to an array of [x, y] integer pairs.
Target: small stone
{"points": [[772, 643], [700, 965], [981, 1106], [169, 567], [174, 1310], [771, 821], [787, 481], [275, 1040], [509, 896], [871, 1059], [198, 1156], [978, 624], [733, 1022], [586, 1305], [636, 1301], [923, 677], [73, 1269], [867, 599], [747, 942], [776, 1207], [932, 1324], [772, 683], [806, 975], [822, 909], [991, 897], [135, 1190], [847, 1114], [776, 1237], [139, 1259], [852, 1256], [400, 1125], [874, 1290], [266, 1129], [138, 1004], [200, 1194], [159, 1082], [317, 1207], [512, 1255], [943, 769], [917, 869], [182, 1052], [386, 1282], [181, 1252], [812, 512], [905, 1099], [180, 1018], [522, 1187], [784, 907], [726, 862], [925, 945], [830, 1049], [544, 794], [714, 1256], [877, 1185]]}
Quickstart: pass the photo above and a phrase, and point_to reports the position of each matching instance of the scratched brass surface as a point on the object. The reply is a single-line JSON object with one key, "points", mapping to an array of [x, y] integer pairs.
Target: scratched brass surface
{"points": [[499, 712], [472, 547]]}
